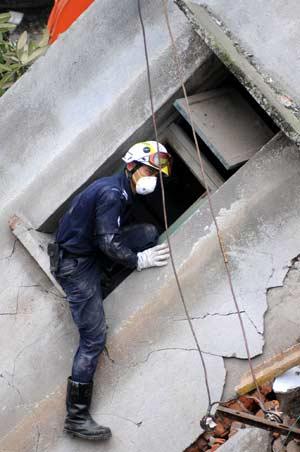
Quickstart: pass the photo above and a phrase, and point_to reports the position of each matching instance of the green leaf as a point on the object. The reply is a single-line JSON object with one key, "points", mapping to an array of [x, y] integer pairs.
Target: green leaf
{"points": [[8, 84], [22, 40], [5, 79], [7, 27], [35, 54], [24, 57], [4, 17], [32, 46], [11, 58], [5, 68], [44, 41]]}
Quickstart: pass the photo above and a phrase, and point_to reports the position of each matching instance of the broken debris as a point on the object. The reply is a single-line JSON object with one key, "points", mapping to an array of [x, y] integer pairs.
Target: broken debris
{"points": [[226, 429]]}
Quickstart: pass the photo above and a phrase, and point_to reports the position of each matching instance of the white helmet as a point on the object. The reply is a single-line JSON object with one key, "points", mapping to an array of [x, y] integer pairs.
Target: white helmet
{"points": [[150, 153]]}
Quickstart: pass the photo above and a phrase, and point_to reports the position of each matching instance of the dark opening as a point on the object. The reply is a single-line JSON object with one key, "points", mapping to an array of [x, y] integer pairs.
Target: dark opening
{"points": [[182, 189]]}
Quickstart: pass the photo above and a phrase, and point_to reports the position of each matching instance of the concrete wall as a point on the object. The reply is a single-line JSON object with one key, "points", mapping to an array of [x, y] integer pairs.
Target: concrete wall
{"points": [[85, 98], [258, 42], [150, 389], [59, 123]]}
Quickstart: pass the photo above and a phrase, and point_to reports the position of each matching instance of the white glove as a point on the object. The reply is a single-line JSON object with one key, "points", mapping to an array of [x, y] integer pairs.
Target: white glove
{"points": [[153, 257]]}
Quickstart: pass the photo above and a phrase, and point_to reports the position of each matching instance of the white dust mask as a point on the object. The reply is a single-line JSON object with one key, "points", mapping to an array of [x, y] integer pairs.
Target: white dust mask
{"points": [[146, 185]]}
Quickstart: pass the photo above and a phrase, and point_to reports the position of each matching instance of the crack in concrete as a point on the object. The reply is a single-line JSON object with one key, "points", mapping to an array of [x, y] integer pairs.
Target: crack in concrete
{"points": [[217, 314], [12, 251], [37, 438], [107, 354], [137, 424], [254, 325], [14, 387], [270, 276], [17, 301], [28, 287], [163, 350], [8, 313], [48, 291], [208, 314], [20, 353]]}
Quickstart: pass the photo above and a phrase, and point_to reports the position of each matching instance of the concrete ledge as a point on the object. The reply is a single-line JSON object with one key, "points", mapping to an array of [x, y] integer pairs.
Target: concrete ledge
{"points": [[259, 46], [150, 389], [36, 244]]}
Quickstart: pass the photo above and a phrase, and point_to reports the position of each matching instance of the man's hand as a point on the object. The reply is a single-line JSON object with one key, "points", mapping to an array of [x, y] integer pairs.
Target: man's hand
{"points": [[153, 257]]}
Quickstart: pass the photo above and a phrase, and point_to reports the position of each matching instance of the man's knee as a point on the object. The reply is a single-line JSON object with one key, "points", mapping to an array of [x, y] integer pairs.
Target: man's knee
{"points": [[99, 343], [93, 346], [151, 233]]}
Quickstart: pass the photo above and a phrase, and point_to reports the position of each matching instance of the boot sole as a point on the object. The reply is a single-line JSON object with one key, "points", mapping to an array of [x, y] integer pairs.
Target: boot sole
{"points": [[103, 437]]}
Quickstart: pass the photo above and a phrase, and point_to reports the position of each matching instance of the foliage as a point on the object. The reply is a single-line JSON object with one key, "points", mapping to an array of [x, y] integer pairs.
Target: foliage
{"points": [[16, 57]]}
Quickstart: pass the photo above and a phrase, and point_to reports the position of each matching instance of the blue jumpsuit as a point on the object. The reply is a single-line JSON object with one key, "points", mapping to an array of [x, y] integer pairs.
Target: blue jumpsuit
{"points": [[91, 231]]}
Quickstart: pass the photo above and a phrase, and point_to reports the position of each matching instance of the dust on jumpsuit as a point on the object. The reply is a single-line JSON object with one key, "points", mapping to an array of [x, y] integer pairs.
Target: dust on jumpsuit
{"points": [[89, 233]]}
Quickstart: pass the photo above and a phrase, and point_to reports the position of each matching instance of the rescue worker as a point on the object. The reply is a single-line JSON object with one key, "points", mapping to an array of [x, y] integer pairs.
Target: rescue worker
{"points": [[91, 231]]}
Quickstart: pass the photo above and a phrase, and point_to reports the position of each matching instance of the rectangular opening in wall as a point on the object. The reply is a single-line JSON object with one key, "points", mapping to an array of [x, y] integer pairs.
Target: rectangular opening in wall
{"points": [[230, 126]]}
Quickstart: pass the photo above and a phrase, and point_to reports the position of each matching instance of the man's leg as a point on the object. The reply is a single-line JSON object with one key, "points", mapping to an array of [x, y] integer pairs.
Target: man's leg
{"points": [[139, 237], [80, 279]]}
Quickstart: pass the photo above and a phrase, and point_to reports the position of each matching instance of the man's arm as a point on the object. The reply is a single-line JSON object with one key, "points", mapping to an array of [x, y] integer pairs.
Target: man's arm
{"points": [[111, 245], [108, 209]]}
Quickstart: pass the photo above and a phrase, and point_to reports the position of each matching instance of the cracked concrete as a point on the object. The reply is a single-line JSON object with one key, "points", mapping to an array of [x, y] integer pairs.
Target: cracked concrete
{"points": [[45, 130], [282, 325], [152, 378], [150, 387]]}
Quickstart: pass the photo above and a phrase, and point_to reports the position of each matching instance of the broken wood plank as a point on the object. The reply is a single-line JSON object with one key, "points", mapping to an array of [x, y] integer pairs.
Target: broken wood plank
{"points": [[259, 422], [228, 124], [270, 369], [36, 244], [186, 150]]}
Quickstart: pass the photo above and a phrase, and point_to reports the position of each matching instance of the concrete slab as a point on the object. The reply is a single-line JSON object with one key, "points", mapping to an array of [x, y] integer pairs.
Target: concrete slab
{"points": [[36, 244], [248, 440], [58, 128], [78, 117], [153, 374], [258, 43], [228, 125], [282, 322], [186, 149]]}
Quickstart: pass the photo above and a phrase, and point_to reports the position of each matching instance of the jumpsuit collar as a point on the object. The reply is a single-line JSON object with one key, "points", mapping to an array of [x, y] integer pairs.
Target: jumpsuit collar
{"points": [[125, 184]]}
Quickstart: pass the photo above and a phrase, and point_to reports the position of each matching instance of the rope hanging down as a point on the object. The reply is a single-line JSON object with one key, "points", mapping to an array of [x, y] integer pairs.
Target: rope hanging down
{"points": [[165, 215], [220, 240]]}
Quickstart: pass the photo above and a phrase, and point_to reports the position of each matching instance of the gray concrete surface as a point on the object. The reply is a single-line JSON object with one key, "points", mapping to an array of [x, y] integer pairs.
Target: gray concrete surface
{"points": [[80, 105], [282, 325], [60, 123], [248, 440], [36, 243], [150, 389], [258, 41]]}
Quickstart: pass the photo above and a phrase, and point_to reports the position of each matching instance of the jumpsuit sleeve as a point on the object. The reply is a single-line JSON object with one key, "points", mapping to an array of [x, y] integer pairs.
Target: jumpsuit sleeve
{"points": [[109, 241]]}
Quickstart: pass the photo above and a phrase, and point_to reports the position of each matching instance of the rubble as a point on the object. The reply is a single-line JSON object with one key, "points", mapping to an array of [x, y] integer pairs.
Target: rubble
{"points": [[287, 390], [248, 440], [293, 446], [230, 435]]}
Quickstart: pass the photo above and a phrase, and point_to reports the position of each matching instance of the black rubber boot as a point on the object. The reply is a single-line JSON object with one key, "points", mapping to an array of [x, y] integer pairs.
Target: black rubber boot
{"points": [[79, 422]]}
